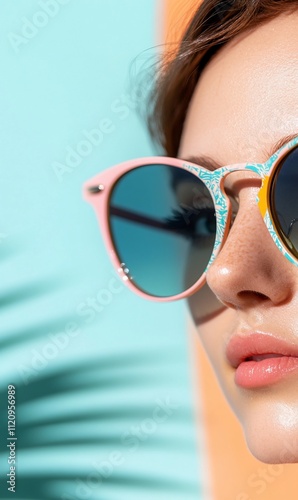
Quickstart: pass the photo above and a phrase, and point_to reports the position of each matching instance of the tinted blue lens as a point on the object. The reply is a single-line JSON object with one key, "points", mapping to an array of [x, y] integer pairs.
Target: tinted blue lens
{"points": [[284, 201], [161, 217]]}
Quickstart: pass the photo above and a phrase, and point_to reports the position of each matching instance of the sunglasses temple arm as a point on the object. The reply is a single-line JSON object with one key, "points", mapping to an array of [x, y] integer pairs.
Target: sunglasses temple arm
{"points": [[133, 216], [141, 219]]}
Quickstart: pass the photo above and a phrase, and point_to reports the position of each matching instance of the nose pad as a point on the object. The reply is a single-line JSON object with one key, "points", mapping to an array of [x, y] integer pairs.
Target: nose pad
{"points": [[234, 209]]}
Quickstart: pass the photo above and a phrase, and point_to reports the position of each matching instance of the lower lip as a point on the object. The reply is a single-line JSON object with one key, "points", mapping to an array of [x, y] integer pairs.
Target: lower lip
{"points": [[268, 371]]}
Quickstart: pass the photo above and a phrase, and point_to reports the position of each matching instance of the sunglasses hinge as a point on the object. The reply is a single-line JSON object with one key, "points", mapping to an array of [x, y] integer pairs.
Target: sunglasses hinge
{"points": [[96, 189]]}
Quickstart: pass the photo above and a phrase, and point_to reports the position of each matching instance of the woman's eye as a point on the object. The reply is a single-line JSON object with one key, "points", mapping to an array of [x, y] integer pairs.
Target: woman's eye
{"points": [[205, 225], [193, 223]]}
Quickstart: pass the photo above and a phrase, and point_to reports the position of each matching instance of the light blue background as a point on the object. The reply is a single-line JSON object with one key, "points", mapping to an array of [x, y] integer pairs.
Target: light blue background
{"points": [[85, 377]]}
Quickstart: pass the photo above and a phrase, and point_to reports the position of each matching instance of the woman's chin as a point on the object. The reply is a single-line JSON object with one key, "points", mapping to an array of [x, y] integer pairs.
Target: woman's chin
{"points": [[271, 432]]}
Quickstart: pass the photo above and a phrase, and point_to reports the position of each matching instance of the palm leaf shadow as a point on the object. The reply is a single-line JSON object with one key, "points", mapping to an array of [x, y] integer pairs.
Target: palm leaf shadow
{"points": [[90, 426]]}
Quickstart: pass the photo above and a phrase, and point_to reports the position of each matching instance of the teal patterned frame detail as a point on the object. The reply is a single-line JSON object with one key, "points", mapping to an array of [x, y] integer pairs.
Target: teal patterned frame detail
{"points": [[214, 182]]}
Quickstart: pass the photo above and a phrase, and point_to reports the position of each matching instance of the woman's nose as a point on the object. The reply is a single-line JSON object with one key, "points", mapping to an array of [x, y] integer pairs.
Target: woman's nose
{"points": [[250, 269]]}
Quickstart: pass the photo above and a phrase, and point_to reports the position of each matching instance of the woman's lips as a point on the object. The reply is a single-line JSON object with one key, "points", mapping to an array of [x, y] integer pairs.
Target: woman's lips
{"points": [[261, 359]]}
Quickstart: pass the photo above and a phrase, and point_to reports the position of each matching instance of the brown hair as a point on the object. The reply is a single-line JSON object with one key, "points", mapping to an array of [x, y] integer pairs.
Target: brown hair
{"points": [[214, 23]]}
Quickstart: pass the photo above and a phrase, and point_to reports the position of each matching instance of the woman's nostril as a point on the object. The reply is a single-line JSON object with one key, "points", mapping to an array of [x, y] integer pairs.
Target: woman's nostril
{"points": [[252, 295]]}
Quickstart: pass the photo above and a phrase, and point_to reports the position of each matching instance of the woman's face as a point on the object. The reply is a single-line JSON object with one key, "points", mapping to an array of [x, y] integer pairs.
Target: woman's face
{"points": [[245, 102]]}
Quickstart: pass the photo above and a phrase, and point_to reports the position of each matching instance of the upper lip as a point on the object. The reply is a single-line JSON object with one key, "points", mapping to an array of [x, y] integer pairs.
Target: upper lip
{"points": [[242, 347]]}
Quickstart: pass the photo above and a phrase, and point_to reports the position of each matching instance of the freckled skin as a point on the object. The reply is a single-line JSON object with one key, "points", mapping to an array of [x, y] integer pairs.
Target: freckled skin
{"points": [[245, 101]]}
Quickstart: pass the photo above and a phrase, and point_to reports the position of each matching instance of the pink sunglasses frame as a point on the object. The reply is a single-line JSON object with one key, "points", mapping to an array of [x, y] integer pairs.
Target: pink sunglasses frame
{"points": [[106, 180], [102, 185]]}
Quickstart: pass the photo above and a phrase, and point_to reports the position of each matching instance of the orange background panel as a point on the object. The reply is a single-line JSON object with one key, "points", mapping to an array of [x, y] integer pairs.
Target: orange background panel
{"points": [[234, 473], [177, 13]]}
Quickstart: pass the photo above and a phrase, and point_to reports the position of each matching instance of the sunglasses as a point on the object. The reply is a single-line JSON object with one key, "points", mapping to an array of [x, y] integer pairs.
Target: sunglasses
{"points": [[164, 220]]}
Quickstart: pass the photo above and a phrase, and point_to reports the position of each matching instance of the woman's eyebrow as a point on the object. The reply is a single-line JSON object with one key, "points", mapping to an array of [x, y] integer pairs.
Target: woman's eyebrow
{"points": [[281, 142], [211, 164], [203, 161]]}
